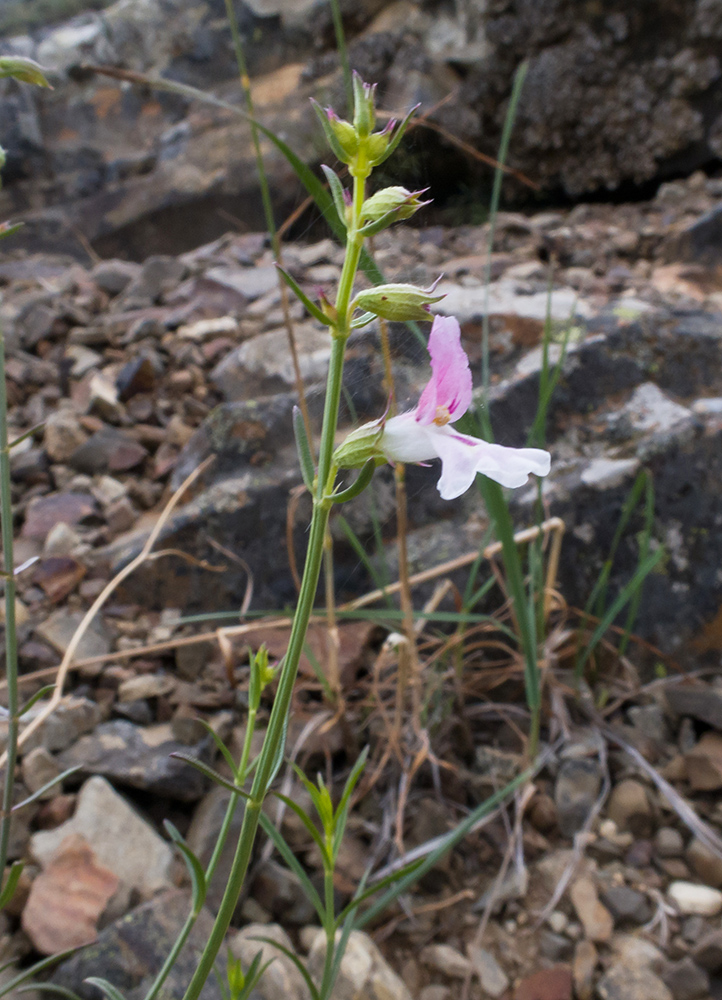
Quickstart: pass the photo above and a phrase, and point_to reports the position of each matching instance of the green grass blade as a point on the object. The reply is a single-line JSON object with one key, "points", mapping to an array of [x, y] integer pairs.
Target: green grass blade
{"points": [[295, 865]]}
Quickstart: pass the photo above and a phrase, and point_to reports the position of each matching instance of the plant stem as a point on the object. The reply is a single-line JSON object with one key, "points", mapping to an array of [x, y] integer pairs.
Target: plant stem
{"points": [[273, 744], [11, 642], [330, 929]]}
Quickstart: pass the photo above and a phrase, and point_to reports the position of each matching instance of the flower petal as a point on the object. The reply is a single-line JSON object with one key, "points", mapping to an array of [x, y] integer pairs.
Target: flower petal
{"points": [[450, 383], [463, 457], [405, 440]]}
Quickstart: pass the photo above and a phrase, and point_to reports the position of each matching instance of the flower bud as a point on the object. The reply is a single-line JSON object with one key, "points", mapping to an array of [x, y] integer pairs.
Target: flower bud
{"points": [[397, 200], [364, 116], [360, 445], [397, 302]]}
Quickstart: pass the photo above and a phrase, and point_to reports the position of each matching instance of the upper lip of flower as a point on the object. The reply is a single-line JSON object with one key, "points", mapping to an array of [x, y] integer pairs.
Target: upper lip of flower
{"points": [[426, 432]]}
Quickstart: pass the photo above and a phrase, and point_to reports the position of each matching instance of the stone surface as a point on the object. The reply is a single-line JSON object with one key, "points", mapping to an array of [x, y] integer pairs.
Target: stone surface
{"points": [[139, 756], [38, 768], [547, 984], [623, 982], [690, 898], [446, 960], [494, 981], [595, 917], [58, 630], [122, 841], [705, 863], [575, 792], [627, 905], [67, 898], [630, 808], [71, 719], [130, 952], [281, 978], [703, 764], [698, 701], [686, 980], [364, 975]]}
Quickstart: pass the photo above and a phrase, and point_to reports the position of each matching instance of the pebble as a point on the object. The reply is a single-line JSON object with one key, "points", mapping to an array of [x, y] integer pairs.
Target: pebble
{"points": [[686, 979], [705, 863], [627, 905], [494, 981], [595, 917], [446, 960], [38, 768], [630, 808], [122, 841], [668, 842], [708, 950], [583, 967], [546, 984], [575, 792], [625, 982], [691, 898], [364, 974], [63, 435]]}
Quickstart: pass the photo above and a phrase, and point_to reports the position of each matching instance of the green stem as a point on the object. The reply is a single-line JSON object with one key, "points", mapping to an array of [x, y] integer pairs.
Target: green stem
{"points": [[11, 641], [273, 743], [330, 928]]}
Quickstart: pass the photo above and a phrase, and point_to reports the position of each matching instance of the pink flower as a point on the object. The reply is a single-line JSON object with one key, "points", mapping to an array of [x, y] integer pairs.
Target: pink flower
{"points": [[426, 432]]}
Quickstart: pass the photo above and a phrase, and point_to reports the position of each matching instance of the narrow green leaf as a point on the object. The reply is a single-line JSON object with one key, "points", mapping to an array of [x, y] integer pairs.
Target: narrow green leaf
{"points": [[336, 187], [356, 488], [32, 430], [11, 883], [48, 689], [295, 865], [195, 868], [377, 887], [6, 229], [305, 819], [60, 991], [253, 976], [309, 305], [296, 961], [305, 458], [625, 594], [45, 788], [343, 806], [110, 991], [209, 772], [222, 748], [34, 970]]}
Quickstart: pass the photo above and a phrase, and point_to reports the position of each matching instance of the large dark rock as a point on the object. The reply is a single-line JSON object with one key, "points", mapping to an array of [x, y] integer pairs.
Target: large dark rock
{"points": [[615, 96], [130, 952]]}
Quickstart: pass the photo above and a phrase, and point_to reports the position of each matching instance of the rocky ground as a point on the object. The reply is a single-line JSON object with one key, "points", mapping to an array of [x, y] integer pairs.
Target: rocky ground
{"points": [[126, 375]]}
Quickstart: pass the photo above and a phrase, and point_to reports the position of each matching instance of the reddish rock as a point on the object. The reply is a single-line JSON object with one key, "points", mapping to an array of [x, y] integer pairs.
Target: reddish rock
{"points": [[547, 984], [45, 512]]}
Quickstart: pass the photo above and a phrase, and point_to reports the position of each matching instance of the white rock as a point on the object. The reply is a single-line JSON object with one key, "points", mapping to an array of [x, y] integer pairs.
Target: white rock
{"points": [[692, 898], [121, 839], [61, 540], [608, 473], [281, 978], [364, 975], [494, 981], [446, 960], [504, 299]]}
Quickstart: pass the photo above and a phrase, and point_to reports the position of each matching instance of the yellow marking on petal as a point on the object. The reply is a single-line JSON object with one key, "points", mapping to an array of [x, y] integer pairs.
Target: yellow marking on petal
{"points": [[442, 416]]}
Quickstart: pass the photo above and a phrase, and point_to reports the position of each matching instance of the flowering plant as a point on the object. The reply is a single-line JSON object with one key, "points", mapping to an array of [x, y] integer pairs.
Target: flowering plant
{"points": [[427, 432]]}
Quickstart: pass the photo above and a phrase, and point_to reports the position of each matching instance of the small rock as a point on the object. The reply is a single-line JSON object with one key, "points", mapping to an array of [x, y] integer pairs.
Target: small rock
{"points": [[364, 975], [113, 276], [60, 627], [627, 905], [145, 686], [130, 952], [103, 399], [45, 513], [281, 978], [558, 921], [190, 661], [121, 515], [136, 376], [58, 576], [108, 450], [703, 764], [547, 984], [708, 950], [555, 947], [120, 839], [446, 960], [706, 864], [63, 435], [494, 981], [583, 967], [686, 980], [668, 842], [630, 808], [139, 756], [435, 992], [692, 898], [61, 540], [38, 768], [636, 952], [575, 792], [624, 982], [67, 899], [251, 282], [595, 917], [696, 701], [280, 892], [72, 718]]}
